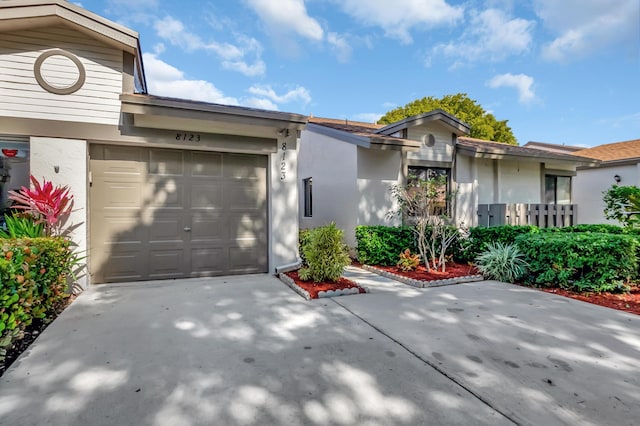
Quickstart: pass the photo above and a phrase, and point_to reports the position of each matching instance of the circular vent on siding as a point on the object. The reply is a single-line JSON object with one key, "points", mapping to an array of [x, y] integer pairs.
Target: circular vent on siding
{"points": [[59, 72], [429, 140]]}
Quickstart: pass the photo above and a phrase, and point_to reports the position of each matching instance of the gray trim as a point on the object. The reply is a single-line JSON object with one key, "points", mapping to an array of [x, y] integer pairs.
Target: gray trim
{"points": [[558, 172], [128, 72], [37, 70], [339, 134], [497, 152], [140, 104], [613, 163], [416, 120], [126, 134], [428, 163]]}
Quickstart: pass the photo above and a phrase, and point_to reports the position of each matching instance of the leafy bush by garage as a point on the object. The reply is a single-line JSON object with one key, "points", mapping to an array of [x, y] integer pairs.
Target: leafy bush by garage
{"points": [[33, 282], [580, 261], [325, 254], [381, 245]]}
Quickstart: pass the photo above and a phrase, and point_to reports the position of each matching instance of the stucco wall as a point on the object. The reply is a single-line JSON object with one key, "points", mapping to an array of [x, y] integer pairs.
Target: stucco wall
{"points": [[333, 166], [466, 186], [70, 157], [518, 181], [283, 204], [589, 185], [378, 171]]}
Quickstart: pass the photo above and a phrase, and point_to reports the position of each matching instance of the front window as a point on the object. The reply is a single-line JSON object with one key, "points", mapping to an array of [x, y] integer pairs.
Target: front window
{"points": [[434, 173], [308, 197], [557, 189]]}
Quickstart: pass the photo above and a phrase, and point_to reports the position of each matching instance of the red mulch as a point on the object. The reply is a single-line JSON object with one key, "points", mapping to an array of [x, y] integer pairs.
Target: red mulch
{"points": [[628, 302], [314, 288], [453, 270]]}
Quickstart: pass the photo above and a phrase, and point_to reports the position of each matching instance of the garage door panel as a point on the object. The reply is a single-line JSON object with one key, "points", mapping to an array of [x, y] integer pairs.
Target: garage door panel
{"points": [[166, 162], [207, 196], [208, 261], [166, 263], [247, 259], [241, 195], [206, 165], [211, 227], [143, 199], [244, 166]]}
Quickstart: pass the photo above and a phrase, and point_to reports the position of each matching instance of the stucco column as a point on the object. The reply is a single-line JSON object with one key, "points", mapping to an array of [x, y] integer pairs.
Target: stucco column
{"points": [[283, 203], [64, 162]]}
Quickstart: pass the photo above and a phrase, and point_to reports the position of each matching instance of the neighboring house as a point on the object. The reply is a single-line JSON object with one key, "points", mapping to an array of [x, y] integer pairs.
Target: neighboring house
{"points": [[164, 188], [619, 165], [346, 170]]}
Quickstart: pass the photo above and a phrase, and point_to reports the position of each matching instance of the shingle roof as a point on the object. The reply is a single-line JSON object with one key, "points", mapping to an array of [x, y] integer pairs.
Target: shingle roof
{"points": [[364, 131], [481, 146], [613, 151], [346, 125]]}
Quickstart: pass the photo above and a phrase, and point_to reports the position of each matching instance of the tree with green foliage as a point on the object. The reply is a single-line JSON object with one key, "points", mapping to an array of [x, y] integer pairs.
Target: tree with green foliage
{"points": [[619, 202], [483, 124]]}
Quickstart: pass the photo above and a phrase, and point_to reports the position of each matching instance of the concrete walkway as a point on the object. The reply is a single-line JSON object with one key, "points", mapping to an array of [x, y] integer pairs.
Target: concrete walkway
{"points": [[248, 351]]}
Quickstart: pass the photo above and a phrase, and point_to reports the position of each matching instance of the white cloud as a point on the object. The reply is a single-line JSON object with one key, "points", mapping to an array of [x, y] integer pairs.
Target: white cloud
{"points": [[367, 117], [299, 94], [233, 56], [166, 80], [490, 35], [584, 27], [131, 13], [260, 103], [521, 82], [400, 18], [340, 46], [284, 16]]}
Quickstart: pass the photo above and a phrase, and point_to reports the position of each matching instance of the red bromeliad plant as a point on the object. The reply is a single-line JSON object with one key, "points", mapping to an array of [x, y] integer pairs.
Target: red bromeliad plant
{"points": [[48, 204]]}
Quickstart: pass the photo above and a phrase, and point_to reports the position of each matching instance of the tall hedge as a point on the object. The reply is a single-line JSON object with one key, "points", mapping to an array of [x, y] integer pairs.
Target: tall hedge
{"points": [[33, 281], [580, 261], [381, 245], [480, 237]]}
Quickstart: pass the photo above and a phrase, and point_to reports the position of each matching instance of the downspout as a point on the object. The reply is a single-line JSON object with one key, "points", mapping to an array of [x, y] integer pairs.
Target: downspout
{"points": [[289, 267]]}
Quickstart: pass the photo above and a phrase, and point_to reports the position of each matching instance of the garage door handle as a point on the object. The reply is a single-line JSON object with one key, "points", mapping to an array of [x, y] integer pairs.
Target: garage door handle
{"points": [[187, 229]]}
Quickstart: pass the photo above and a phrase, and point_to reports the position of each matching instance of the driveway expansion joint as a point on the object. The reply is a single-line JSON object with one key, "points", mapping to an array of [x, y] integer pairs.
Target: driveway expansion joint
{"points": [[432, 365]]}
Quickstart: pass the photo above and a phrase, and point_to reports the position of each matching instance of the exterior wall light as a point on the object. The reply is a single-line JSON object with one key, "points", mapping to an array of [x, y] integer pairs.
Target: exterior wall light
{"points": [[617, 178]]}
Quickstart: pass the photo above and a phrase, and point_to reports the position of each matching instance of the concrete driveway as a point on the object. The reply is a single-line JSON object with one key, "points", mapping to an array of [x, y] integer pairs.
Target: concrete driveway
{"points": [[247, 350]]}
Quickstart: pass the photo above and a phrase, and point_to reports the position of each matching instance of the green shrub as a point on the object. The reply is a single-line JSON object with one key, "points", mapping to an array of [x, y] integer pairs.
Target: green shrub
{"points": [[325, 253], [602, 228], [303, 241], [502, 262], [380, 245], [480, 237], [22, 226], [580, 261], [33, 281]]}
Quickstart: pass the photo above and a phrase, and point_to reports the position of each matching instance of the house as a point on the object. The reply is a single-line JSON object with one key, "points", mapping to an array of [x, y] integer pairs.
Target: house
{"points": [[164, 188], [619, 164], [347, 168]]}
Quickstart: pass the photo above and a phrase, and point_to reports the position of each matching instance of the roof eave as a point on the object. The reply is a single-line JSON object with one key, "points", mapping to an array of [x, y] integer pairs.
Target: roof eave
{"points": [[459, 127], [497, 153]]}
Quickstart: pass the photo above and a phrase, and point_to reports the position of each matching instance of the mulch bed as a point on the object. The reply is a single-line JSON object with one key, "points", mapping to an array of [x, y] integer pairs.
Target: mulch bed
{"points": [[31, 333], [628, 302], [315, 288], [453, 270]]}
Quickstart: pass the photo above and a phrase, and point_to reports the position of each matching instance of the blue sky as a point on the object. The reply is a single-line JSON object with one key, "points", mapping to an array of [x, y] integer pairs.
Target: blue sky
{"points": [[561, 71]]}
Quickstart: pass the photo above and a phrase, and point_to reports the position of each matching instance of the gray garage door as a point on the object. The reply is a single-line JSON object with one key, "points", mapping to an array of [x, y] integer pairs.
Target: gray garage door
{"points": [[165, 213]]}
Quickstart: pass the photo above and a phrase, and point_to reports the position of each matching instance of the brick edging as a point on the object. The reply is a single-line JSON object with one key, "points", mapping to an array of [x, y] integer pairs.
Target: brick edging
{"points": [[420, 283], [321, 294]]}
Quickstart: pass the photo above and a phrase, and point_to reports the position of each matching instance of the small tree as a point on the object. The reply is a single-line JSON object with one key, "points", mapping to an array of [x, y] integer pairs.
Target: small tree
{"points": [[618, 203], [422, 202]]}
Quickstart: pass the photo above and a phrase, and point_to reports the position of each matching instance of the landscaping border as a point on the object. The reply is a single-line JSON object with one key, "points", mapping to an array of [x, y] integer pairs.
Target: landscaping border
{"points": [[321, 294], [423, 284]]}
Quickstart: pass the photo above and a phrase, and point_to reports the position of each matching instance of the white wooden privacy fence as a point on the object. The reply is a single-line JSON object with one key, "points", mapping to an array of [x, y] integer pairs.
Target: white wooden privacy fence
{"points": [[541, 215]]}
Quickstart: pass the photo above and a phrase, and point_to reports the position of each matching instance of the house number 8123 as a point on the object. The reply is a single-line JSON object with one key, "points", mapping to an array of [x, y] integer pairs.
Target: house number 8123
{"points": [[283, 163]]}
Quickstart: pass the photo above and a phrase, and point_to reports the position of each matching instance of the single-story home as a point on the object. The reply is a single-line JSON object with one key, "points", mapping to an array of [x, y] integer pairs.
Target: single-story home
{"points": [[164, 188], [347, 168], [619, 165]]}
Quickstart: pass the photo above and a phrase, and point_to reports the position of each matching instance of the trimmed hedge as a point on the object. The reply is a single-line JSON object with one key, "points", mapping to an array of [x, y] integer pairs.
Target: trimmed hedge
{"points": [[381, 245], [480, 237], [580, 261], [33, 281]]}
